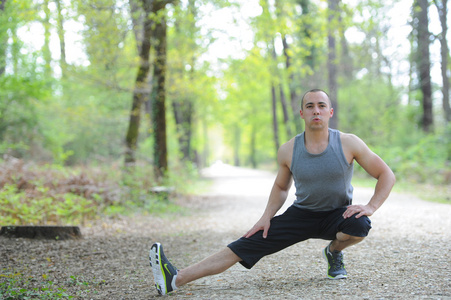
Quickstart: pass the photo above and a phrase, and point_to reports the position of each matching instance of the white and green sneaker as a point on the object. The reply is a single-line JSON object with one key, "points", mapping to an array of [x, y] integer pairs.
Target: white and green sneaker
{"points": [[164, 273], [336, 268]]}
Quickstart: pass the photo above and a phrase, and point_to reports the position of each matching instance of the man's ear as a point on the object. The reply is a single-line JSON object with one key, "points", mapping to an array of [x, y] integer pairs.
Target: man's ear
{"points": [[302, 114], [331, 112]]}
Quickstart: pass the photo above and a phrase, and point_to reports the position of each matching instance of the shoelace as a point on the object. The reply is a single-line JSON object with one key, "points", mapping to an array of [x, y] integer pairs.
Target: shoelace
{"points": [[337, 261]]}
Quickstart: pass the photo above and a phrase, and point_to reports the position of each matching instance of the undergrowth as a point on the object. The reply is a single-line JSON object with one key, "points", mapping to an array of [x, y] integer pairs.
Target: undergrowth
{"points": [[54, 195], [425, 191], [15, 285]]}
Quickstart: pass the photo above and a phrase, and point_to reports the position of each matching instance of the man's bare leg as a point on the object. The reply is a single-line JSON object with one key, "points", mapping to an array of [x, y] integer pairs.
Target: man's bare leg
{"points": [[214, 264], [343, 241]]}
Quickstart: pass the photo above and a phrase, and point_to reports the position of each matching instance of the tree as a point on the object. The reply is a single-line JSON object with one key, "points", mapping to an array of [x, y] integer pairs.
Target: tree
{"points": [[247, 119], [280, 16], [61, 37], [46, 51], [424, 63], [3, 37], [442, 7], [183, 101], [141, 88], [333, 12], [159, 90], [155, 29]]}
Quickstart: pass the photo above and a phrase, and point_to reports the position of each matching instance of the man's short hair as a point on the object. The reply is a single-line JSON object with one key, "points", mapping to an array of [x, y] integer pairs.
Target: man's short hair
{"points": [[315, 91]]}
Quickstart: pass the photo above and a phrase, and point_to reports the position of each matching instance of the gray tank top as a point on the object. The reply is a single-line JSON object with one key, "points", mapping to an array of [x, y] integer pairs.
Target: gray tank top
{"points": [[322, 181]]}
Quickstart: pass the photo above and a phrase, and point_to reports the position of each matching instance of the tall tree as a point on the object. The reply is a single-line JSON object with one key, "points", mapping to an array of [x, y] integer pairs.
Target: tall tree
{"points": [[268, 36], [46, 49], [346, 63], [159, 90], [3, 38], [280, 15], [442, 7], [275, 123], [182, 100], [141, 88], [61, 37], [306, 29], [424, 61], [333, 12]]}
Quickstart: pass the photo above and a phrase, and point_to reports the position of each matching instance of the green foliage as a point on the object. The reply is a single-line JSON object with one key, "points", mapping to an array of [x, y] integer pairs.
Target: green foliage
{"points": [[19, 208], [50, 195], [19, 121], [15, 285], [370, 109], [423, 160], [246, 109], [79, 115]]}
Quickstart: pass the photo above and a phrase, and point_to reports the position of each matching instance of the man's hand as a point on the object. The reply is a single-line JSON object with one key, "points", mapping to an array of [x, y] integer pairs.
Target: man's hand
{"points": [[362, 210], [262, 224]]}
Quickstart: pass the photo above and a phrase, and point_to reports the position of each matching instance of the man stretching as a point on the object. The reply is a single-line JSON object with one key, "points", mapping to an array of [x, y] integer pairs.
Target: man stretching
{"points": [[320, 161]]}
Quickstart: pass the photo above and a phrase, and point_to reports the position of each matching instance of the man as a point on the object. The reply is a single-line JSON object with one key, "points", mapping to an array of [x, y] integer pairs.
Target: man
{"points": [[320, 161]]}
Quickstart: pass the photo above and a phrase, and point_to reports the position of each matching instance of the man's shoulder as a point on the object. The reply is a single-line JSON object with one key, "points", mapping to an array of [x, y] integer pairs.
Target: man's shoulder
{"points": [[289, 144], [351, 142], [287, 147], [286, 152], [349, 137]]}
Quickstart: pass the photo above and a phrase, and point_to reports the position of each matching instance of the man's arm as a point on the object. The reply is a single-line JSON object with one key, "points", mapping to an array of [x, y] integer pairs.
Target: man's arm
{"points": [[279, 191], [377, 168]]}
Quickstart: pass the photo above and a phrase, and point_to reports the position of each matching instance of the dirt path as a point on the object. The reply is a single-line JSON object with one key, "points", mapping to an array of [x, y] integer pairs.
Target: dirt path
{"points": [[406, 256]]}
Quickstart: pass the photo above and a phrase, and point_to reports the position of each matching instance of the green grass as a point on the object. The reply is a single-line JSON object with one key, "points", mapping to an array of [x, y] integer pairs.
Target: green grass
{"points": [[427, 192], [15, 285]]}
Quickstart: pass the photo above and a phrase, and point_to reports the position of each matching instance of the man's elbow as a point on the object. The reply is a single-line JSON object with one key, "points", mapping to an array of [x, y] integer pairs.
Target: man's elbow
{"points": [[387, 176], [391, 178]]}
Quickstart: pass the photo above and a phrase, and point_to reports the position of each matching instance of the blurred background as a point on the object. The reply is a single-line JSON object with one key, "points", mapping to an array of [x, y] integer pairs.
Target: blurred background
{"points": [[96, 94]]}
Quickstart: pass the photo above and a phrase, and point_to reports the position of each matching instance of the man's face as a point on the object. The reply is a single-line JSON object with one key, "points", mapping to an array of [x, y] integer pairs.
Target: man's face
{"points": [[316, 110]]}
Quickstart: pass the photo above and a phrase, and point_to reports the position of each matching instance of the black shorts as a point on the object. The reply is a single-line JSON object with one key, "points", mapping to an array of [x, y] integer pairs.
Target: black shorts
{"points": [[296, 225]]}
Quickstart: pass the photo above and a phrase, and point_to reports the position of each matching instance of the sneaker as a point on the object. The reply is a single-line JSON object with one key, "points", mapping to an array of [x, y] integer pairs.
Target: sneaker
{"points": [[336, 268], [164, 273]]}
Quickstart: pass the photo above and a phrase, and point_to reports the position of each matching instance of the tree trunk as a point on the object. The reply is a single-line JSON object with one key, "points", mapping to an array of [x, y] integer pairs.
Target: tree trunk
{"points": [[331, 62], [283, 101], [274, 117], [159, 94], [206, 149], [444, 52], [424, 62], [286, 118], [253, 145], [136, 12], [141, 88], [183, 105], [237, 146], [294, 97], [291, 79], [60, 30], [46, 48], [346, 62], [41, 232], [307, 31], [3, 42], [183, 112]]}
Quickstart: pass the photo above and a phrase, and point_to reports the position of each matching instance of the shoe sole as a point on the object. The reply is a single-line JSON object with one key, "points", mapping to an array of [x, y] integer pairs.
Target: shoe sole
{"points": [[340, 276], [154, 260]]}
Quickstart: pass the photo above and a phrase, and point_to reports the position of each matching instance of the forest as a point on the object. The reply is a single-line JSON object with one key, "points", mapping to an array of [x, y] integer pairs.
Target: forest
{"points": [[100, 97]]}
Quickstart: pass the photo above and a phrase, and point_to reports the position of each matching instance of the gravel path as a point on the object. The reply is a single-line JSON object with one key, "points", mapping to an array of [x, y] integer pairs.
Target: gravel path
{"points": [[406, 256]]}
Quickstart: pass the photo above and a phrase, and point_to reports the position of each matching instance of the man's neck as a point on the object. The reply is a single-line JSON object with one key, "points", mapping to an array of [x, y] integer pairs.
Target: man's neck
{"points": [[316, 141], [317, 136]]}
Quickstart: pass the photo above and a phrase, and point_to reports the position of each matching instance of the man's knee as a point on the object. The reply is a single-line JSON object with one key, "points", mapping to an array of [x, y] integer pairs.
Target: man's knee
{"points": [[356, 227]]}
